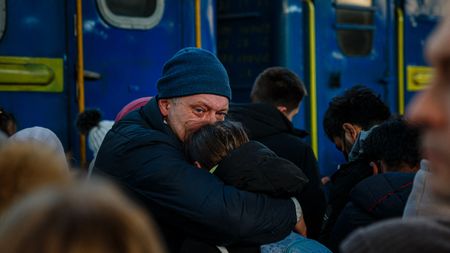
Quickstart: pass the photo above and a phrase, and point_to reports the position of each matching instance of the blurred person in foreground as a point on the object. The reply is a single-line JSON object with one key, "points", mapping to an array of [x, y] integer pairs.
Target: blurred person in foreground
{"points": [[85, 218], [26, 167]]}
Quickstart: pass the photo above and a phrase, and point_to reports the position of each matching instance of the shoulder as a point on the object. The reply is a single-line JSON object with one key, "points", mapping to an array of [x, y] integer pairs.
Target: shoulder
{"points": [[408, 235]]}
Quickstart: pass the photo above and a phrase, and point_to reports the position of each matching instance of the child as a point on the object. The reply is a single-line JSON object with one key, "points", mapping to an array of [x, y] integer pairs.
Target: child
{"points": [[225, 150]]}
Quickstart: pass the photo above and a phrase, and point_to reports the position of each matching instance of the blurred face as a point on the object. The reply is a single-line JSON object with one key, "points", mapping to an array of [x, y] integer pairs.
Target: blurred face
{"points": [[431, 109], [185, 115]]}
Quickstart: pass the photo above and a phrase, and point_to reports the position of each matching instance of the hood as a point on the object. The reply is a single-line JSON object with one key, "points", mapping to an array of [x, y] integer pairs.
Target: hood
{"points": [[383, 195], [262, 120]]}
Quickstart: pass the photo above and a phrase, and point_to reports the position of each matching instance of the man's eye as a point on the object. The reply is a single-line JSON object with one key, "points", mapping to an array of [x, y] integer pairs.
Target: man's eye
{"points": [[223, 114], [199, 110]]}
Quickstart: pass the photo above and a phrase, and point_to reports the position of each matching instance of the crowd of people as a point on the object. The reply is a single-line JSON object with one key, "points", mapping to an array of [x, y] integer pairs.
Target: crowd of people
{"points": [[188, 171]]}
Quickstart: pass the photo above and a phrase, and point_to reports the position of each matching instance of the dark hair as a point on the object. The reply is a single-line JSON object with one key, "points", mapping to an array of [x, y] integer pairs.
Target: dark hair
{"points": [[88, 119], [6, 119], [278, 86], [358, 106], [211, 143], [395, 143]]}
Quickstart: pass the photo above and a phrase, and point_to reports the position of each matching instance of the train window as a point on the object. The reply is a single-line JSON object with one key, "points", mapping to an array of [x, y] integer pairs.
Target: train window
{"points": [[355, 26], [366, 3], [132, 14], [2, 17]]}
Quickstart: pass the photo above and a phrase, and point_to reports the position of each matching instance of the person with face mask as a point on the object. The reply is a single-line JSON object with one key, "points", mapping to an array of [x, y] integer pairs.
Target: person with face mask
{"points": [[348, 121]]}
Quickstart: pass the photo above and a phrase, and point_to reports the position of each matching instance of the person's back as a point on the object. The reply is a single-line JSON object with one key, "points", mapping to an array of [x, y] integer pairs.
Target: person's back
{"points": [[143, 152], [221, 146], [276, 97]]}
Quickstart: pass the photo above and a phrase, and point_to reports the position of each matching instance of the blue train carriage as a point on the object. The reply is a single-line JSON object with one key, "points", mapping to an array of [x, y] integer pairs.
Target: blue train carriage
{"points": [[332, 45], [125, 45]]}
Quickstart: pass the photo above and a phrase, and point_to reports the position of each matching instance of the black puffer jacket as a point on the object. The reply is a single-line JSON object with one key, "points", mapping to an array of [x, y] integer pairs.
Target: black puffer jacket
{"points": [[341, 184], [374, 199], [261, 170], [264, 123], [143, 155]]}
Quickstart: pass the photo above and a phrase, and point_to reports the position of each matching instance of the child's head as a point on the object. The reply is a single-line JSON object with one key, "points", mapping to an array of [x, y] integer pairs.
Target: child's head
{"points": [[211, 143]]}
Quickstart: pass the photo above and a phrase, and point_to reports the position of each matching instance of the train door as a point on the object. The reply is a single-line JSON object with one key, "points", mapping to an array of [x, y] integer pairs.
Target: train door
{"points": [[355, 45], [416, 20], [125, 45], [255, 34], [34, 75]]}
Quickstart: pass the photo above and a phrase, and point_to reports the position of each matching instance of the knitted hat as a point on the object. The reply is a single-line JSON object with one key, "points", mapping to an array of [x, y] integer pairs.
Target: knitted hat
{"points": [[97, 134], [193, 71]]}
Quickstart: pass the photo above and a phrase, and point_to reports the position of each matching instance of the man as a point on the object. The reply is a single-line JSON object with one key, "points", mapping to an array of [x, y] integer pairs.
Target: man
{"points": [[143, 152], [430, 109], [276, 96], [392, 149], [347, 123]]}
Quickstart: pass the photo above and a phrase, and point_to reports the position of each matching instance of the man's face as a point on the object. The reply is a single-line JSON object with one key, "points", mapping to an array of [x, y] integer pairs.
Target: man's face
{"points": [[344, 143], [431, 109], [185, 115]]}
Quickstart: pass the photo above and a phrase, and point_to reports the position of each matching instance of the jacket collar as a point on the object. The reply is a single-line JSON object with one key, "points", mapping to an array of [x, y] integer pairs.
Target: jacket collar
{"points": [[153, 118], [263, 119]]}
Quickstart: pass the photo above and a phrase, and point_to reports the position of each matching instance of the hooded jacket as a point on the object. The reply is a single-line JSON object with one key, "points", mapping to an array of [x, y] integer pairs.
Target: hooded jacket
{"points": [[264, 123], [374, 199], [261, 170], [144, 156]]}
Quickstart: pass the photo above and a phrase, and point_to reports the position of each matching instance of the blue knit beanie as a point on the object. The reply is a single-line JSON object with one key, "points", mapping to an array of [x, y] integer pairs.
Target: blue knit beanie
{"points": [[193, 71]]}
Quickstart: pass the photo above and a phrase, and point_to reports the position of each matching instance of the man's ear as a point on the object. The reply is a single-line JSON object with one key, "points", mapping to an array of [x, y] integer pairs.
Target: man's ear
{"points": [[351, 130], [164, 105]]}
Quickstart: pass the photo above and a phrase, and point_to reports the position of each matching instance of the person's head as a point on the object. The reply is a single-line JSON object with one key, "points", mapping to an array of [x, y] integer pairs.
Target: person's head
{"points": [[281, 88], [393, 146], [26, 167], [85, 218], [431, 109], [42, 136], [8, 123], [194, 90], [357, 109], [211, 143], [90, 122]]}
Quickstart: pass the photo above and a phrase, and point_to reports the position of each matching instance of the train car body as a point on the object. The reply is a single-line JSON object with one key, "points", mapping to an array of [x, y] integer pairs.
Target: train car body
{"points": [[331, 44]]}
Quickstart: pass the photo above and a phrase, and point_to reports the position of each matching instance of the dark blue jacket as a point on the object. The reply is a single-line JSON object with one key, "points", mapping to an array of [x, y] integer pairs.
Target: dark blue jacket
{"points": [[375, 198], [143, 155]]}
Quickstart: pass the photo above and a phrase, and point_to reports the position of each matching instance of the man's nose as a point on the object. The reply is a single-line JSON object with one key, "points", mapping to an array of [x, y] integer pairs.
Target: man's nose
{"points": [[211, 118]]}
